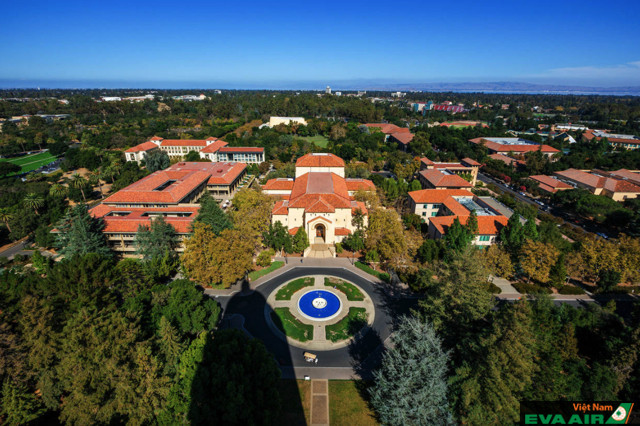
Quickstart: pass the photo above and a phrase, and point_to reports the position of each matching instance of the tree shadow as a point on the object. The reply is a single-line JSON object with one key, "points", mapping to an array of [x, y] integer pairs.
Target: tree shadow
{"points": [[245, 310]]}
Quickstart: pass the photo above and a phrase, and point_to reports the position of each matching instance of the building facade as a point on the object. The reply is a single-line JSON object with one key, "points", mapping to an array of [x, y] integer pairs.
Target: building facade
{"points": [[319, 199]]}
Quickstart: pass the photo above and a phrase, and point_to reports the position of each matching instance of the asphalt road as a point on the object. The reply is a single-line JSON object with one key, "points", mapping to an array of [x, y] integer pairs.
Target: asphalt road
{"points": [[17, 249], [362, 355]]}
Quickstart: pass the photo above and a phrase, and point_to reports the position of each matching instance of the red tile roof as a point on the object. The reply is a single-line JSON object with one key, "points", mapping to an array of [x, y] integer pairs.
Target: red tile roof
{"points": [[319, 205], [584, 178], [470, 161], [241, 149], [626, 174], [439, 179], [506, 160], [455, 207], [354, 184], [342, 231], [145, 146], [436, 196], [281, 208], [221, 173], [403, 137], [293, 231], [214, 147], [388, 128], [320, 160], [140, 216], [487, 225], [156, 138], [183, 142], [279, 184], [498, 147], [549, 184]]}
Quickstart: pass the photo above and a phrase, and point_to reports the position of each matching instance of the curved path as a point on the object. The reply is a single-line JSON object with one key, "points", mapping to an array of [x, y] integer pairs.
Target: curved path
{"points": [[360, 355]]}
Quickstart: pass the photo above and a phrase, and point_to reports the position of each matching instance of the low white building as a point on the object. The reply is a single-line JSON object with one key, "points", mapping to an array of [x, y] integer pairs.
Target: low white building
{"points": [[275, 121]]}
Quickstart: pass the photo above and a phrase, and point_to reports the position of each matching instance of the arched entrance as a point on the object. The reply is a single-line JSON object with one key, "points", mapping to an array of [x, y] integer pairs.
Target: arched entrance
{"points": [[320, 233]]}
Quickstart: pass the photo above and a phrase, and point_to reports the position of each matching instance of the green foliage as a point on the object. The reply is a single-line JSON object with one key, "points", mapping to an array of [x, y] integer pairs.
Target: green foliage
{"points": [[291, 326], [354, 242], [287, 290], [156, 160], [300, 240], [383, 276], [156, 240], [339, 248], [351, 291], [429, 251], [278, 238], [79, 233], [348, 326], [530, 288], [211, 214], [19, 405], [458, 238], [372, 256], [411, 385], [254, 275], [512, 236], [192, 156], [264, 258]]}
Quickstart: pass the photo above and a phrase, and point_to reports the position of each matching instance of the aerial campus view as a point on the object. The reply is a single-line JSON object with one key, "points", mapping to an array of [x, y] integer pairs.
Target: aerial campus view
{"points": [[337, 213]]}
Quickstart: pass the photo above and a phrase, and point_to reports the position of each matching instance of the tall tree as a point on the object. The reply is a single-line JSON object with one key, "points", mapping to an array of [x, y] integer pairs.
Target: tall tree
{"points": [[79, 233], [385, 234], [6, 216], [33, 201], [300, 240], [157, 160], [411, 385], [211, 214], [58, 190], [78, 182], [537, 259], [154, 241], [458, 237]]}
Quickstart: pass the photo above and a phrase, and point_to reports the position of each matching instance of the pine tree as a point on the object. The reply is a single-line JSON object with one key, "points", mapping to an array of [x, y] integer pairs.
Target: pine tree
{"points": [[411, 387], [300, 240], [154, 241], [211, 214], [157, 160], [457, 238], [79, 233]]}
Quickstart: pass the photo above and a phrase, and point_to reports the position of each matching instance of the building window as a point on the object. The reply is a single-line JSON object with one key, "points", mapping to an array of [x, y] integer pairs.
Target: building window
{"points": [[485, 238], [424, 213], [434, 214]]}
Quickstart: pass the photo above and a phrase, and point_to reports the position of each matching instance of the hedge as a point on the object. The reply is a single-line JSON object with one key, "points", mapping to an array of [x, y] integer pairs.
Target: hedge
{"points": [[570, 289], [530, 288], [369, 270], [254, 275]]}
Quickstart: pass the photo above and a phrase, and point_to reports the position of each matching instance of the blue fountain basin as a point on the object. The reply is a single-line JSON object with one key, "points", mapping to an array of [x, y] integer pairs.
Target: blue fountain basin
{"points": [[319, 305]]}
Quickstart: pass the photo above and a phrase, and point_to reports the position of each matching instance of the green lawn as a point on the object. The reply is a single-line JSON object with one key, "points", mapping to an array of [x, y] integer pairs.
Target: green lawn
{"points": [[31, 162], [254, 275], [287, 291], [295, 396], [369, 270], [350, 290], [290, 325], [318, 140], [347, 326], [347, 406]]}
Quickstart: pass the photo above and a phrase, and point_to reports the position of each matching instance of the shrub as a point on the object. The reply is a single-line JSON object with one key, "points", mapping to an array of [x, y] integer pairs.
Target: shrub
{"points": [[369, 270], [530, 288], [570, 289], [492, 288], [339, 248], [264, 258]]}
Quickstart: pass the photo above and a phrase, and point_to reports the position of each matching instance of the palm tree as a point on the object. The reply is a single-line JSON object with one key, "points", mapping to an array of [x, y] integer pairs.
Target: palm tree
{"points": [[57, 190], [33, 201], [78, 182], [94, 179], [6, 216]]}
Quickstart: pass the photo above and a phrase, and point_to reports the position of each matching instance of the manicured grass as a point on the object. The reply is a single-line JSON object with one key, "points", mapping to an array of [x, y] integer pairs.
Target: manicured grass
{"points": [[290, 325], [347, 406], [318, 140], [296, 402], [254, 275], [31, 162], [347, 326], [369, 270], [350, 290], [287, 291]]}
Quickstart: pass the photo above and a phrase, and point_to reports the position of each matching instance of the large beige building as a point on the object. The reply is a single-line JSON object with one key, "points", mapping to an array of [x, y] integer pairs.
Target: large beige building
{"points": [[319, 199], [618, 185]]}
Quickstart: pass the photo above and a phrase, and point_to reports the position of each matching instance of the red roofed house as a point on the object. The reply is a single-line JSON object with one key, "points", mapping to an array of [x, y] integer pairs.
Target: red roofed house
{"points": [[513, 145], [466, 166], [211, 148], [439, 208], [629, 142], [442, 179], [172, 193], [550, 184], [400, 135], [319, 199], [619, 185]]}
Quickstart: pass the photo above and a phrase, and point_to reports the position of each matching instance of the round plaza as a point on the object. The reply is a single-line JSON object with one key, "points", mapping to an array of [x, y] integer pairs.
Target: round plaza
{"points": [[319, 312]]}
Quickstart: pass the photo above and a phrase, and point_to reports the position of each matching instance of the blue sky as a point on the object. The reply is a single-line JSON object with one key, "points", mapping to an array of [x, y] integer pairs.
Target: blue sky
{"points": [[258, 43]]}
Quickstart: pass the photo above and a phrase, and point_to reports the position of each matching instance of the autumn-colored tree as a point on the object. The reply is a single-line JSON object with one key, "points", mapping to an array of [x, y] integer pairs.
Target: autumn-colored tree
{"points": [[537, 259], [629, 258], [599, 256], [252, 215], [498, 261], [385, 234]]}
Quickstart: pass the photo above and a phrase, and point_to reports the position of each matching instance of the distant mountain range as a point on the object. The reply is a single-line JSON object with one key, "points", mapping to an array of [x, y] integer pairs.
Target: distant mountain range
{"points": [[336, 85]]}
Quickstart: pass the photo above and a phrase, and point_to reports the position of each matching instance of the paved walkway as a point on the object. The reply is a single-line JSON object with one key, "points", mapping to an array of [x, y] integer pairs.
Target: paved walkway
{"points": [[319, 402]]}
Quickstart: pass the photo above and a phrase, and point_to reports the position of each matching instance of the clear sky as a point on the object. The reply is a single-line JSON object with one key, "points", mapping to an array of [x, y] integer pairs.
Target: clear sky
{"points": [[256, 43]]}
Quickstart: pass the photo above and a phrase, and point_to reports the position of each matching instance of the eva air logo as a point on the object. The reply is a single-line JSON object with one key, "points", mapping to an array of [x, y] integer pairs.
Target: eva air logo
{"points": [[620, 415]]}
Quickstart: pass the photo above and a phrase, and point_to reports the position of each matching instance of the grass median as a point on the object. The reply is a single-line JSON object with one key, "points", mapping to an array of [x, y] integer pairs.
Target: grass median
{"points": [[369, 270], [254, 275], [350, 290], [287, 291], [347, 326], [290, 325]]}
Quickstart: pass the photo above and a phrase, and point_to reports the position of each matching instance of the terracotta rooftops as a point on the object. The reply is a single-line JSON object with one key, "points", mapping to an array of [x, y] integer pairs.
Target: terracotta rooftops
{"points": [[354, 184], [214, 147], [388, 128], [127, 220], [507, 160], [241, 149], [470, 162], [145, 146], [438, 179], [183, 142], [584, 178], [172, 185], [402, 137], [487, 225], [437, 196], [512, 145], [320, 160], [278, 184], [550, 184]]}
